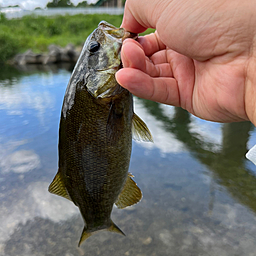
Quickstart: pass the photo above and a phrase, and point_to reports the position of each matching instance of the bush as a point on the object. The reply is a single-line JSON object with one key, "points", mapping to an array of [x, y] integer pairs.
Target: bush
{"points": [[2, 17], [36, 33], [8, 46]]}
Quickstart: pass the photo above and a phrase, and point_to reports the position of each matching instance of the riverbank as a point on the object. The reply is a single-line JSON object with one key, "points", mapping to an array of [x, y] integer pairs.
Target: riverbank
{"points": [[38, 32], [55, 54]]}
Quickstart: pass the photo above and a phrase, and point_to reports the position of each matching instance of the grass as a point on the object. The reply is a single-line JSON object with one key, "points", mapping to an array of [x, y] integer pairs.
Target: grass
{"points": [[37, 33]]}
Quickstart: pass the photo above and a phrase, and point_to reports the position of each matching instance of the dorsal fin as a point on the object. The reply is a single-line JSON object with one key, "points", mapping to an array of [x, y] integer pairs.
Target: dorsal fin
{"points": [[57, 187], [140, 130], [131, 194]]}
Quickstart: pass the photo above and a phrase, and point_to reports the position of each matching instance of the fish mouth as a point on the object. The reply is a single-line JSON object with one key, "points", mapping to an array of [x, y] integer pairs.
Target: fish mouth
{"points": [[119, 33], [129, 35]]}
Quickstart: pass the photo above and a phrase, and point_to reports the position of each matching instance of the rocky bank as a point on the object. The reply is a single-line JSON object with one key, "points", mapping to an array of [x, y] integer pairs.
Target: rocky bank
{"points": [[56, 54]]}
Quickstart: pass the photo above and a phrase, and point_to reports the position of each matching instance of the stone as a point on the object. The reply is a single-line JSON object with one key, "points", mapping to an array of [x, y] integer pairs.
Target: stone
{"points": [[56, 54]]}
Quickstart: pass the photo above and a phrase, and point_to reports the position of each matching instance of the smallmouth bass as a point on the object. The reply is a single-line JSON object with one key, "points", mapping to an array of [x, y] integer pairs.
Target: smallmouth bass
{"points": [[95, 134]]}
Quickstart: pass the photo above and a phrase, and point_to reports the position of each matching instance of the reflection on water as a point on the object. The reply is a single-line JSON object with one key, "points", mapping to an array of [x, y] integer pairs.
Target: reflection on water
{"points": [[199, 191]]}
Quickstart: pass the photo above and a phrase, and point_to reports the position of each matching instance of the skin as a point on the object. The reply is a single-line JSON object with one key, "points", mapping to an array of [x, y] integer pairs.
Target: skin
{"points": [[202, 56]]}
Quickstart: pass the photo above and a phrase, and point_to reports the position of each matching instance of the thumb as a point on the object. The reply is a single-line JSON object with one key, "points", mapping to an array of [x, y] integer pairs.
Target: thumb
{"points": [[141, 14]]}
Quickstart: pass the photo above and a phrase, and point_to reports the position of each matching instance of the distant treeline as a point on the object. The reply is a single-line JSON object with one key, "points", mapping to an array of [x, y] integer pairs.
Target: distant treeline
{"points": [[67, 3], [36, 33], [63, 3]]}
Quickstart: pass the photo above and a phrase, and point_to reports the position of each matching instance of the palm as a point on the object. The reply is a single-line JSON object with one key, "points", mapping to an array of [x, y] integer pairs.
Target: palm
{"points": [[218, 91], [211, 89], [214, 76]]}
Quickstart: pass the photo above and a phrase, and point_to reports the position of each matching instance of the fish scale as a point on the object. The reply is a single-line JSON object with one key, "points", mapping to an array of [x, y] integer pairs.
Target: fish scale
{"points": [[95, 134]]}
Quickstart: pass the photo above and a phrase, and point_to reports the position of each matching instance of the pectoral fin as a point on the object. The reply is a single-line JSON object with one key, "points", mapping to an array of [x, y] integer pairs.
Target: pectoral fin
{"points": [[140, 130], [57, 187], [114, 123], [131, 194]]}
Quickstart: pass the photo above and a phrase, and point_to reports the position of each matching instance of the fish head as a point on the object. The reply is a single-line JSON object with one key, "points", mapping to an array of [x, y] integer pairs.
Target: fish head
{"points": [[103, 49]]}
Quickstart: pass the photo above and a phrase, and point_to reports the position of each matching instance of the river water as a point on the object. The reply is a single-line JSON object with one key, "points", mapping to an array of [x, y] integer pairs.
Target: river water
{"points": [[199, 191]]}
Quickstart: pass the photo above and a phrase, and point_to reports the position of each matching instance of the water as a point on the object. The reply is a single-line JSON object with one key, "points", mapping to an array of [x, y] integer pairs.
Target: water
{"points": [[199, 191]]}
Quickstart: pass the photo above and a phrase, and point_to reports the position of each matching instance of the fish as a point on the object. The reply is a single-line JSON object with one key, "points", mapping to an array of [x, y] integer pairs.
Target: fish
{"points": [[96, 128]]}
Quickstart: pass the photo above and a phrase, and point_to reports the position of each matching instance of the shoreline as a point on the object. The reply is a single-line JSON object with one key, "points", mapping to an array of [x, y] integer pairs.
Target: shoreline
{"points": [[55, 54]]}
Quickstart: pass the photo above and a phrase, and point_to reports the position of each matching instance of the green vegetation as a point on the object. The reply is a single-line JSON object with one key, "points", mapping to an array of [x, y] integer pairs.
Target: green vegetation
{"points": [[37, 33], [67, 3], [60, 3], [83, 4]]}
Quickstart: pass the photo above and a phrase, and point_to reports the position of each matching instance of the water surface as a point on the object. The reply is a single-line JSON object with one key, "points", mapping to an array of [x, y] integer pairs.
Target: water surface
{"points": [[199, 191]]}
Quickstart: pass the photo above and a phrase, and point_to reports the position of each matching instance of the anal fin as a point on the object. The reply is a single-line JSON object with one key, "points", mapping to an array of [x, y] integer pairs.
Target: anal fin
{"points": [[57, 187], [130, 195]]}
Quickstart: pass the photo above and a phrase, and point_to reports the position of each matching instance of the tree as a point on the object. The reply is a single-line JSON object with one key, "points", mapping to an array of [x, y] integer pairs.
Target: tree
{"points": [[83, 4], [10, 6], [60, 3]]}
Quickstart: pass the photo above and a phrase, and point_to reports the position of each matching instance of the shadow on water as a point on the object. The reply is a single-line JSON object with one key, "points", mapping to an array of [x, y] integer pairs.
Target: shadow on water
{"points": [[228, 164], [9, 75]]}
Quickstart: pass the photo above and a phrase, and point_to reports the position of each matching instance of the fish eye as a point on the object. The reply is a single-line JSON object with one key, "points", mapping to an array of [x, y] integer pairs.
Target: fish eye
{"points": [[93, 46]]}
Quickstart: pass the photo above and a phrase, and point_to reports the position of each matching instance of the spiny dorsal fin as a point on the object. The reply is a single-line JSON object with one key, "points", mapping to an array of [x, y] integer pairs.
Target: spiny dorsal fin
{"points": [[57, 187], [131, 194], [140, 130], [84, 236]]}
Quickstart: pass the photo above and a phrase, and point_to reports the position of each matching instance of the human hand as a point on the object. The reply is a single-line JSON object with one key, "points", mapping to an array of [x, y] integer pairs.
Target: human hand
{"points": [[201, 57]]}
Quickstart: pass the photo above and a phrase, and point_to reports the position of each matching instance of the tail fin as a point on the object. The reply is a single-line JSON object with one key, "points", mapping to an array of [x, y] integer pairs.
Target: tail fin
{"points": [[112, 228], [115, 228], [84, 236]]}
